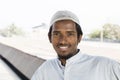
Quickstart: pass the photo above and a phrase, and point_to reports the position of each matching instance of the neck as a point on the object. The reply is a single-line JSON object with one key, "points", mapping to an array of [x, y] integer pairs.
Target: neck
{"points": [[63, 61]]}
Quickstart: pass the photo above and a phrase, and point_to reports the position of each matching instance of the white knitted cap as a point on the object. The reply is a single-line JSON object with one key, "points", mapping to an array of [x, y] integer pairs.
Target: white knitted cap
{"points": [[64, 15]]}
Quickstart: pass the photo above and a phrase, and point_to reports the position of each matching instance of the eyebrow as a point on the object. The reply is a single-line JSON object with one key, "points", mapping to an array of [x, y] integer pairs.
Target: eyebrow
{"points": [[57, 31], [71, 31]]}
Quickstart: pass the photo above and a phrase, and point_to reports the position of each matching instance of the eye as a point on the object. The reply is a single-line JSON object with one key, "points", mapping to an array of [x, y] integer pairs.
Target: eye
{"points": [[56, 33], [70, 34]]}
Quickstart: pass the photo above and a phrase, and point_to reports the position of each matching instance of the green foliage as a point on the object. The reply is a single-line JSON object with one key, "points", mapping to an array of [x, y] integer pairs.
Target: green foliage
{"points": [[110, 31], [95, 34], [11, 30]]}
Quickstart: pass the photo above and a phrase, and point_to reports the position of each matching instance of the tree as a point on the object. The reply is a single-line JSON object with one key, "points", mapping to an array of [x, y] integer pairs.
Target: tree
{"points": [[11, 31], [110, 31], [95, 34]]}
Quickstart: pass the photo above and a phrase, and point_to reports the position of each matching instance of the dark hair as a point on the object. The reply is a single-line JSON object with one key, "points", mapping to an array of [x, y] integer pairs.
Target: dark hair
{"points": [[78, 29]]}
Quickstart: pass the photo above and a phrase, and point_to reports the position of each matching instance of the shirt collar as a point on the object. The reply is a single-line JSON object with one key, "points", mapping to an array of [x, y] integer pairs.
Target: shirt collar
{"points": [[73, 59]]}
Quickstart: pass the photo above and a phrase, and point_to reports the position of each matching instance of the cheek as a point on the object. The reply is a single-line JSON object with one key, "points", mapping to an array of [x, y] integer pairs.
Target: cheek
{"points": [[75, 43], [73, 40], [54, 41]]}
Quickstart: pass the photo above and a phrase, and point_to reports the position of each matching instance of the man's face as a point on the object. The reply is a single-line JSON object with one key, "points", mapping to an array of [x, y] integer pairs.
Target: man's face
{"points": [[64, 38]]}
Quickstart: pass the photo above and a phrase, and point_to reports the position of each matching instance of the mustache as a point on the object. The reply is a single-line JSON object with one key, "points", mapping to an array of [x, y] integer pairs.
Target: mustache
{"points": [[63, 45]]}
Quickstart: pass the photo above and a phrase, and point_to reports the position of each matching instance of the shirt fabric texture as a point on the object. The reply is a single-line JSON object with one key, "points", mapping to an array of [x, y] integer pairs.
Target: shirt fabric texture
{"points": [[79, 67]]}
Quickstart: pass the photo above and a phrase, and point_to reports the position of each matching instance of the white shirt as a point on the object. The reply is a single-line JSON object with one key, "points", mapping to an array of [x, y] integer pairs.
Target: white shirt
{"points": [[79, 67]]}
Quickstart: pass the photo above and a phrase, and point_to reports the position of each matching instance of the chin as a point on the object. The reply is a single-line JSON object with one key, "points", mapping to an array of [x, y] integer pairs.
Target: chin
{"points": [[65, 56]]}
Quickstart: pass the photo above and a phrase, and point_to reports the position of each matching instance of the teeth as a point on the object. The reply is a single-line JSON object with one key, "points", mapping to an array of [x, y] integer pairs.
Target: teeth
{"points": [[63, 47]]}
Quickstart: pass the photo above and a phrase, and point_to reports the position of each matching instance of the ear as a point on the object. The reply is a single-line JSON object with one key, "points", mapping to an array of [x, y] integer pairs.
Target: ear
{"points": [[49, 34], [79, 39]]}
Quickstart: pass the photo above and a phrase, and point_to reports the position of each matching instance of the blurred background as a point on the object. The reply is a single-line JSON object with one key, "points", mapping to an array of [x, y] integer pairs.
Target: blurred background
{"points": [[24, 25]]}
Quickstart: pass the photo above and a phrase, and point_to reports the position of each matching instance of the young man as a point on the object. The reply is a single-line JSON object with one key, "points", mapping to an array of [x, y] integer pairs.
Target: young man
{"points": [[65, 34]]}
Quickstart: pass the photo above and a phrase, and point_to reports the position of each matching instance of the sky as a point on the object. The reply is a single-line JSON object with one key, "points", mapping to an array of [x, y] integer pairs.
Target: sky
{"points": [[93, 14]]}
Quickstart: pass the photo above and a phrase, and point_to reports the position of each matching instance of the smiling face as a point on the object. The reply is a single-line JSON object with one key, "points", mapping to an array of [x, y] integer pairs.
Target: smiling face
{"points": [[64, 38]]}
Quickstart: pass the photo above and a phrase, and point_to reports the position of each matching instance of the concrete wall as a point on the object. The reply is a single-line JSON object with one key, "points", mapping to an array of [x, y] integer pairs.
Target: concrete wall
{"points": [[24, 62]]}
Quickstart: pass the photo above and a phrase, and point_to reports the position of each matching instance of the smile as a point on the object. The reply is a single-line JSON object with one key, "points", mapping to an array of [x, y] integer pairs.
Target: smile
{"points": [[63, 48]]}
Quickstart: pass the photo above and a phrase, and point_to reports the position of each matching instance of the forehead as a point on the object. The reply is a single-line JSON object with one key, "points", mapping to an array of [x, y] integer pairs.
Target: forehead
{"points": [[64, 25]]}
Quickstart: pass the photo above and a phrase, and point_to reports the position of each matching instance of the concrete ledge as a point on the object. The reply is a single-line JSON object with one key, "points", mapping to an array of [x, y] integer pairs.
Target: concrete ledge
{"points": [[23, 62]]}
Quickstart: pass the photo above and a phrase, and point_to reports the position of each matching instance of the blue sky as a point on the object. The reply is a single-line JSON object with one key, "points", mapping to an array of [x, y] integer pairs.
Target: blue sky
{"points": [[29, 13]]}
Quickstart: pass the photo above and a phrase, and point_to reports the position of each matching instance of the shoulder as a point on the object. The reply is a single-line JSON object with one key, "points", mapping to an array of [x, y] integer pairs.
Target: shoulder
{"points": [[104, 60], [107, 62], [50, 62], [47, 64], [101, 60], [43, 69]]}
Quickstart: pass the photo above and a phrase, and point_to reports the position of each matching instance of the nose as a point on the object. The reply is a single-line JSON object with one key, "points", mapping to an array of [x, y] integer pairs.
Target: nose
{"points": [[63, 39]]}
